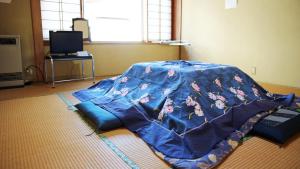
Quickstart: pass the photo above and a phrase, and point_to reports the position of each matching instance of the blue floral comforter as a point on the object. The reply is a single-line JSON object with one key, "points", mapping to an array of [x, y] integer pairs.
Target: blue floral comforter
{"points": [[191, 114]]}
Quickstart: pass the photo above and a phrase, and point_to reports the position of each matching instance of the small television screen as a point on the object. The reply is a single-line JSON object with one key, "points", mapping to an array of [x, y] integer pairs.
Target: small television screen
{"points": [[65, 41]]}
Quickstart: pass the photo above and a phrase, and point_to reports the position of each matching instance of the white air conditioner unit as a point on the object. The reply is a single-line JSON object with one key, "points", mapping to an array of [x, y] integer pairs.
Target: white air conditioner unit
{"points": [[11, 72]]}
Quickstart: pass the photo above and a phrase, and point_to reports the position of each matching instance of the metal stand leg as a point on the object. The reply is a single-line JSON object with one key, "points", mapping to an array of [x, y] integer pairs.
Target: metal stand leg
{"points": [[45, 71], [93, 69], [82, 69], [53, 79]]}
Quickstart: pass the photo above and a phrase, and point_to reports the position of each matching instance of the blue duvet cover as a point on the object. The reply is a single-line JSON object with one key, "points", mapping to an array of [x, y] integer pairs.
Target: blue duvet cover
{"points": [[191, 114]]}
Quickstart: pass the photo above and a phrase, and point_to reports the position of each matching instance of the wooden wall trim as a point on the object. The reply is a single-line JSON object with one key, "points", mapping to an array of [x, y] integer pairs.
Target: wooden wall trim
{"points": [[37, 36], [176, 19], [173, 22]]}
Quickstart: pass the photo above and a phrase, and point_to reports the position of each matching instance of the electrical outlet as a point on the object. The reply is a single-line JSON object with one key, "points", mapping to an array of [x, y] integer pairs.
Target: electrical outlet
{"points": [[29, 70], [253, 70]]}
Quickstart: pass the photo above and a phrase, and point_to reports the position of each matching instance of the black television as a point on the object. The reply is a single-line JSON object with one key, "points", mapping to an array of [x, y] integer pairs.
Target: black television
{"points": [[65, 42]]}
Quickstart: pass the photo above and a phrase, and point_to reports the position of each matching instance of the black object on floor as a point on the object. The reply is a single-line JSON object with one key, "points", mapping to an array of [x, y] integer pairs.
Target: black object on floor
{"points": [[279, 126]]}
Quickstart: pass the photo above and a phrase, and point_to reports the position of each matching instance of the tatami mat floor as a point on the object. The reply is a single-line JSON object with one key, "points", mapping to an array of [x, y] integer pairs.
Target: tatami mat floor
{"points": [[38, 131], [42, 89]]}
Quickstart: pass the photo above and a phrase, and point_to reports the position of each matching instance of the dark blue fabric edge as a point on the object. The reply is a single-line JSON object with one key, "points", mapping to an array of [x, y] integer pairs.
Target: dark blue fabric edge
{"points": [[157, 131]]}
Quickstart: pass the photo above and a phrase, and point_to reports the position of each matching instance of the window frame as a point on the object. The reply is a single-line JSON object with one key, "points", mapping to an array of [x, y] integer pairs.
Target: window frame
{"points": [[39, 43], [174, 24], [174, 36], [46, 41], [160, 21]]}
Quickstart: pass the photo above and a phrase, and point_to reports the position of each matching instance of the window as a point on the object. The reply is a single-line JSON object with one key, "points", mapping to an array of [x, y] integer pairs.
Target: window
{"points": [[111, 20], [58, 14], [159, 20], [114, 20]]}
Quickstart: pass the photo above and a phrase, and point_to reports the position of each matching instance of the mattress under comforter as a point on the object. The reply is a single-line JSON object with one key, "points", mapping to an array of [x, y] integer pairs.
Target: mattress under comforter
{"points": [[191, 114]]}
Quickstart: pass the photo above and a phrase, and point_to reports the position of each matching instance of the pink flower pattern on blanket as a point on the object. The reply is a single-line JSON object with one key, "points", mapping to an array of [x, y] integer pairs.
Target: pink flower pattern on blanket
{"points": [[238, 79], [168, 108], [219, 104], [189, 101], [122, 92], [114, 78], [148, 69], [144, 86], [195, 87], [212, 96], [218, 83], [255, 91], [219, 100], [171, 72], [197, 108], [166, 91], [124, 79], [144, 99], [239, 93]]}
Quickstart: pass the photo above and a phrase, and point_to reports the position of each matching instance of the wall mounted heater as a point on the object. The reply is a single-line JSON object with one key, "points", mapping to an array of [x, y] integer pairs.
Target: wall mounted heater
{"points": [[11, 72]]}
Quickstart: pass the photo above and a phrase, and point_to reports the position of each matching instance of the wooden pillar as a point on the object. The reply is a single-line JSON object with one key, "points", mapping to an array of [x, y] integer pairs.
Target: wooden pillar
{"points": [[37, 37], [176, 19]]}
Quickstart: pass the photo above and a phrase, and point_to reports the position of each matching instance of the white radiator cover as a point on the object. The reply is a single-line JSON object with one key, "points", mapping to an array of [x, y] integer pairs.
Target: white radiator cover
{"points": [[11, 68]]}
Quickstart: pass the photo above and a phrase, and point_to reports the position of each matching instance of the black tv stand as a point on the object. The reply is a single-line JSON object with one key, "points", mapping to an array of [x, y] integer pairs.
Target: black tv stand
{"points": [[68, 57]]}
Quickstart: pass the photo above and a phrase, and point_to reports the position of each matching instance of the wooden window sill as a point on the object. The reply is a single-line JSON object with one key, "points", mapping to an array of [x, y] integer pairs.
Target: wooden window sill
{"points": [[46, 43]]}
